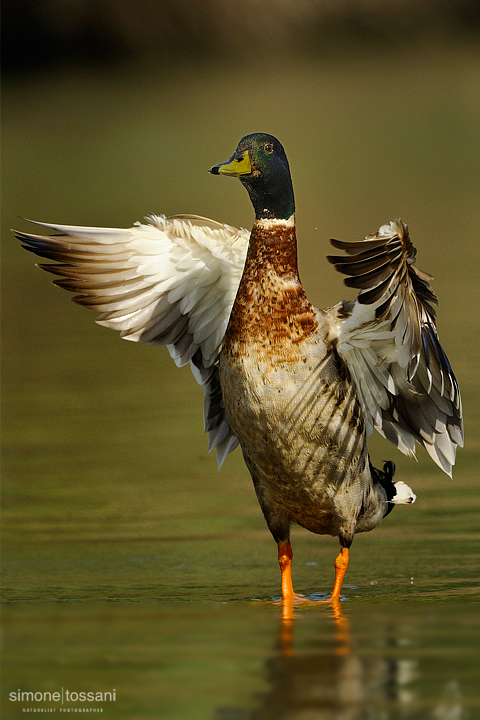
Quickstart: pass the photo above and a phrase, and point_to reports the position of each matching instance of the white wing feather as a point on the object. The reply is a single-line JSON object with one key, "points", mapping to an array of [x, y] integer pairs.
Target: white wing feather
{"points": [[169, 281]]}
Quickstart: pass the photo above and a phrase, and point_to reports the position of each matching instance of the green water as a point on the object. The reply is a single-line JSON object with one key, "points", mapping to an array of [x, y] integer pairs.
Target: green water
{"points": [[128, 561], [233, 661]]}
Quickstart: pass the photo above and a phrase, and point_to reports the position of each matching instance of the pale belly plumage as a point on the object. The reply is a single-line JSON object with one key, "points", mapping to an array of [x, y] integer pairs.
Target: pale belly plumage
{"points": [[301, 432]]}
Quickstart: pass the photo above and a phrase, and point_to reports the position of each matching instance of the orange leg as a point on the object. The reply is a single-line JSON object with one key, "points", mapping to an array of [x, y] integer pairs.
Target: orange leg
{"points": [[285, 555], [341, 564]]}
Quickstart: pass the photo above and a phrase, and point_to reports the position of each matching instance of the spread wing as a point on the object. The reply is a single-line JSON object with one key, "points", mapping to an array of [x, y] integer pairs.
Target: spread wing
{"points": [[388, 339], [171, 281]]}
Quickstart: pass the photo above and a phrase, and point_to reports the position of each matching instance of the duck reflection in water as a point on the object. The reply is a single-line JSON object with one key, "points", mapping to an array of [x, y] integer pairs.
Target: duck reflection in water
{"points": [[328, 679]]}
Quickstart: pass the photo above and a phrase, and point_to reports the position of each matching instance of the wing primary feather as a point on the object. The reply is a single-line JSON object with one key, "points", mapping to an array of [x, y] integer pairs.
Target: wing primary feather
{"points": [[396, 346], [171, 281]]}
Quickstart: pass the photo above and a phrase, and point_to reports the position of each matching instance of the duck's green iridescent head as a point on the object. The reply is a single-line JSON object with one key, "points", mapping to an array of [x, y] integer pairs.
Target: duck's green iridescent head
{"points": [[262, 166]]}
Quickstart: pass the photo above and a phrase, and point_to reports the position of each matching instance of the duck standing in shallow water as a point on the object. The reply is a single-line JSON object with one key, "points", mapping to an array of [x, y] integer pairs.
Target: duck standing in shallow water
{"points": [[300, 389]]}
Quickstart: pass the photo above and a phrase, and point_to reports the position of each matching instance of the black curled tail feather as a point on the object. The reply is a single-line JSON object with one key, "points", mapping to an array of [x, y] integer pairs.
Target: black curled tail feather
{"points": [[385, 478]]}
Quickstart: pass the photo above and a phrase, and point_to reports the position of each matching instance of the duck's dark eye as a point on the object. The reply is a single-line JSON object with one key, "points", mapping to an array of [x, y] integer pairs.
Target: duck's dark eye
{"points": [[268, 147]]}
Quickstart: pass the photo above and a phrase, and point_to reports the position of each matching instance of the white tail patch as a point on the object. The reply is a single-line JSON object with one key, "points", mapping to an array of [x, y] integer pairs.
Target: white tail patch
{"points": [[404, 494]]}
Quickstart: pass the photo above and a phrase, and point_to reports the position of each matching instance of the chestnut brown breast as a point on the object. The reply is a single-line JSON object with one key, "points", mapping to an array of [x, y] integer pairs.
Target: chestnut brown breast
{"points": [[271, 309]]}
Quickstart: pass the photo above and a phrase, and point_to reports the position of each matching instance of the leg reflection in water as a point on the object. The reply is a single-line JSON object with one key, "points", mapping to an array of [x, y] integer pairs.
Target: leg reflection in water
{"points": [[320, 670], [330, 684], [342, 629]]}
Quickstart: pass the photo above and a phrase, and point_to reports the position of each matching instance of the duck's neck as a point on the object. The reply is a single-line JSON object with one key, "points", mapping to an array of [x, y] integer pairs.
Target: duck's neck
{"points": [[271, 193]]}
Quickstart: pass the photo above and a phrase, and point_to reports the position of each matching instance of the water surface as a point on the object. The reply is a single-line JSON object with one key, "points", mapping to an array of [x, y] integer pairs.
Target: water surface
{"points": [[232, 661]]}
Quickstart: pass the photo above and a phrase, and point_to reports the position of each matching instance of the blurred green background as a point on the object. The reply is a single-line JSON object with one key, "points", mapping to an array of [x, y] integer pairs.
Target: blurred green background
{"points": [[111, 503]]}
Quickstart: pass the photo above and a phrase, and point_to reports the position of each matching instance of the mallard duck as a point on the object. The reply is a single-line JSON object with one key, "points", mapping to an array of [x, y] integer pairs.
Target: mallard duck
{"points": [[300, 389]]}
